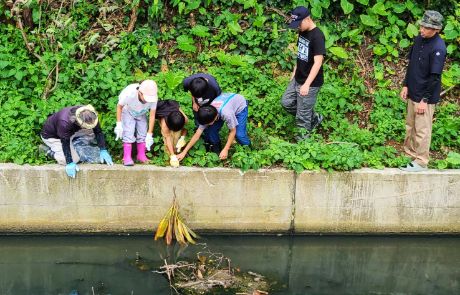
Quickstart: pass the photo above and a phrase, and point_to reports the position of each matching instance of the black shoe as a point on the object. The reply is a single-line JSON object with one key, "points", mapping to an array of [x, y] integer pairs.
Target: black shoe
{"points": [[44, 149], [317, 121]]}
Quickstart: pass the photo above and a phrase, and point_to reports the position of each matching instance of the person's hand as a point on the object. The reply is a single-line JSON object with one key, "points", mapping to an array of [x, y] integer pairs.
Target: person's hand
{"points": [[149, 141], [223, 154], [304, 89], [180, 143], [181, 156], [421, 108], [195, 106], [118, 131], [173, 161], [105, 157], [71, 169], [403, 93]]}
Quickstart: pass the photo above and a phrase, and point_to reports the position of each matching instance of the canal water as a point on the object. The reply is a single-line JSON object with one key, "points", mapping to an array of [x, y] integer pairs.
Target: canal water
{"points": [[300, 265]]}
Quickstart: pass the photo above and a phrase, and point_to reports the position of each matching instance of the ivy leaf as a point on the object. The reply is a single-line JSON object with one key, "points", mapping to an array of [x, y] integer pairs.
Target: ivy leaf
{"points": [[363, 2], [379, 50], [449, 32], [379, 8], [399, 7], [339, 52], [185, 43], [259, 21], [404, 43], [411, 30], [173, 79], [370, 21], [317, 11], [234, 27], [200, 31], [346, 6]]}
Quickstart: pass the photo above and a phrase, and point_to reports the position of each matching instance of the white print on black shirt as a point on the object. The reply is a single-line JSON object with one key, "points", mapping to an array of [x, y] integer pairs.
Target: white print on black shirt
{"points": [[303, 48]]}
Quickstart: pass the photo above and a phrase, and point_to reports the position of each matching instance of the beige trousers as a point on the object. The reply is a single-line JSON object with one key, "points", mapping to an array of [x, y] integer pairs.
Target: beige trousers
{"points": [[418, 133]]}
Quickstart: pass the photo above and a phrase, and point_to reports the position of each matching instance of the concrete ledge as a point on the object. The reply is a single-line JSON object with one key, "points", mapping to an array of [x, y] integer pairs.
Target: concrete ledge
{"points": [[133, 199]]}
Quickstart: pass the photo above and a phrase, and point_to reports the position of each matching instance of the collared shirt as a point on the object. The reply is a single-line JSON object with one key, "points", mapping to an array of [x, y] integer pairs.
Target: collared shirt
{"points": [[427, 56]]}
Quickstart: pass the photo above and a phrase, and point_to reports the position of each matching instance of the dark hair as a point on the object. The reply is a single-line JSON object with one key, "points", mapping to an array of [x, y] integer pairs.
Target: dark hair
{"points": [[206, 115], [198, 87], [175, 121], [88, 116]]}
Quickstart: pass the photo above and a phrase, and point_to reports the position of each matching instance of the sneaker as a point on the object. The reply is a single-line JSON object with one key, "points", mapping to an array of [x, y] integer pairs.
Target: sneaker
{"points": [[316, 121], [44, 149], [414, 167]]}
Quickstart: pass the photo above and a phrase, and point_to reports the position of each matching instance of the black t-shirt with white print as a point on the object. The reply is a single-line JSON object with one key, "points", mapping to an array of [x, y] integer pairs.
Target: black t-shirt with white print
{"points": [[310, 43]]}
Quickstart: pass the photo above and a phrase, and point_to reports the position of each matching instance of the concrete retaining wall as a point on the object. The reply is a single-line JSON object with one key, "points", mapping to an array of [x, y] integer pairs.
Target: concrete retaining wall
{"points": [[133, 199]]}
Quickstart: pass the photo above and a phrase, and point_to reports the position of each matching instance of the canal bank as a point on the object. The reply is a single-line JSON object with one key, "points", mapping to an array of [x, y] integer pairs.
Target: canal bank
{"points": [[133, 199]]}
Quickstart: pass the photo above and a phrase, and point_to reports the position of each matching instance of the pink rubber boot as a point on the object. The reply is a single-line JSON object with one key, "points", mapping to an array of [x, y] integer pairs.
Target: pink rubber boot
{"points": [[141, 157], [127, 149]]}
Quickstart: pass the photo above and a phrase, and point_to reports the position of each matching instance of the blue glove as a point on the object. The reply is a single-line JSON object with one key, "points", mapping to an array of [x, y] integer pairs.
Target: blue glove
{"points": [[105, 157], [71, 169]]}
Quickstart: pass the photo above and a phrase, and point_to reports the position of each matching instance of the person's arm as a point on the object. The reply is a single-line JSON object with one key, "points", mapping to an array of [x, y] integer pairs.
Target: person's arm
{"points": [[293, 72], [119, 110], [317, 62], [152, 120], [184, 130], [167, 136], [191, 143], [99, 137], [66, 149], [231, 136]]}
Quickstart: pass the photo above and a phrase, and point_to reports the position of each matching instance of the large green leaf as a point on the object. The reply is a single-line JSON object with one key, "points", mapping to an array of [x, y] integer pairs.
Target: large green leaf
{"points": [[379, 8], [339, 52], [404, 43], [411, 30], [346, 6], [234, 27], [363, 2], [369, 20], [200, 31], [185, 43], [173, 79], [450, 33]]}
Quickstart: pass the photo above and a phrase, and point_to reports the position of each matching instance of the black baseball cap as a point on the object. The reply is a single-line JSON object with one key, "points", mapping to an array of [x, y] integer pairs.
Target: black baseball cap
{"points": [[297, 16]]}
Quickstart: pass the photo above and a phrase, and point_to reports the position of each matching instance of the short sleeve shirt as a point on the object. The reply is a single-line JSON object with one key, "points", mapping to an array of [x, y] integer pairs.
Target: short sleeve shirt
{"points": [[212, 92], [228, 113], [427, 56], [129, 99], [309, 44]]}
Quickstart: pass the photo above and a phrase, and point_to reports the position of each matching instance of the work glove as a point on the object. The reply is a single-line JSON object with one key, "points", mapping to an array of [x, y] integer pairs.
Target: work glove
{"points": [[173, 161], [180, 144], [71, 169], [105, 157], [118, 131], [149, 141]]}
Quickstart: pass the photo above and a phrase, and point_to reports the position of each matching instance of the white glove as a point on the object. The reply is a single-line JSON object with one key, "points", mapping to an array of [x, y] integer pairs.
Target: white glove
{"points": [[180, 143], [173, 161], [149, 141], [118, 131]]}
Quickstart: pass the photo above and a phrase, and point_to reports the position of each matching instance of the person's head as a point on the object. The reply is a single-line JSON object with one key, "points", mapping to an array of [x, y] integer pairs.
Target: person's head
{"points": [[430, 24], [301, 19], [175, 121], [148, 91], [207, 115], [86, 117], [198, 87]]}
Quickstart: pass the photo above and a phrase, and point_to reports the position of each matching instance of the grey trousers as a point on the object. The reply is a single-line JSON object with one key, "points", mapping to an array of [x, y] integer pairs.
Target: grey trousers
{"points": [[134, 128], [303, 107]]}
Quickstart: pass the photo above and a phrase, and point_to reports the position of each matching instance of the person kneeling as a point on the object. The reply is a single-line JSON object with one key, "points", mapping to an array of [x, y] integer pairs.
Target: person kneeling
{"points": [[172, 121], [230, 108], [60, 130]]}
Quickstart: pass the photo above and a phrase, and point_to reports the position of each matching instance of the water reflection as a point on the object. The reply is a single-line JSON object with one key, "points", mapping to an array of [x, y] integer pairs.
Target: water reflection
{"points": [[301, 265]]}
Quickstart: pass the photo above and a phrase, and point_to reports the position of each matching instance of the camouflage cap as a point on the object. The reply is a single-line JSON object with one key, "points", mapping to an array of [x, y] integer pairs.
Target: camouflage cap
{"points": [[432, 19]]}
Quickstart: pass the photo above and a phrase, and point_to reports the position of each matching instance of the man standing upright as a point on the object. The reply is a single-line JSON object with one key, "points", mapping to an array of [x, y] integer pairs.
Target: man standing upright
{"points": [[307, 77], [422, 86]]}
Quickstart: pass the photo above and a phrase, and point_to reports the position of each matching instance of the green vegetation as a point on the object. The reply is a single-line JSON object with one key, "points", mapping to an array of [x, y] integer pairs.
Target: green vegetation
{"points": [[79, 52]]}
